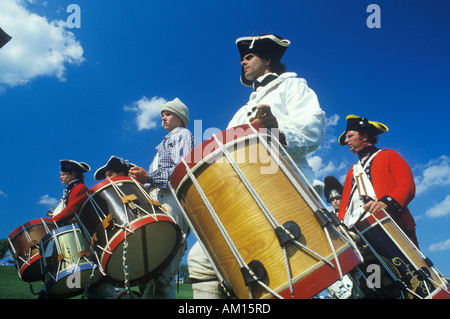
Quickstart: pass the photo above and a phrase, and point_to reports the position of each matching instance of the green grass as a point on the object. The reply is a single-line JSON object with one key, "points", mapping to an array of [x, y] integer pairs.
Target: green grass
{"points": [[12, 287]]}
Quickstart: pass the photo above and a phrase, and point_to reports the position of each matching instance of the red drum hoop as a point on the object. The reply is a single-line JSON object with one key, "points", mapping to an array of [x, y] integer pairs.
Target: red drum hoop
{"points": [[23, 243], [402, 260], [239, 209], [121, 221]]}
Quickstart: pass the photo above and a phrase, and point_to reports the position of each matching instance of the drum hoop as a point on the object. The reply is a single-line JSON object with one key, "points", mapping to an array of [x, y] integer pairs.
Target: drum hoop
{"points": [[27, 263], [59, 231], [177, 181], [119, 236], [376, 219], [29, 224], [107, 182]]}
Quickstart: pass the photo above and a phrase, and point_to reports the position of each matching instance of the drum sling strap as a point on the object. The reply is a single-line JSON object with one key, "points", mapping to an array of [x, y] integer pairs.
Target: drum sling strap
{"points": [[361, 193]]}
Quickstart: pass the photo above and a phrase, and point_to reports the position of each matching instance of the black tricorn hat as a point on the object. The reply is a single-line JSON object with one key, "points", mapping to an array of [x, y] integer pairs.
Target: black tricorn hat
{"points": [[115, 164], [333, 188], [4, 38], [267, 46], [71, 166], [361, 124]]}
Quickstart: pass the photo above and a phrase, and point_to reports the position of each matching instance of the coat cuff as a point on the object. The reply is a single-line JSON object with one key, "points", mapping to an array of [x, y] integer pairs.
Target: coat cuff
{"points": [[393, 207]]}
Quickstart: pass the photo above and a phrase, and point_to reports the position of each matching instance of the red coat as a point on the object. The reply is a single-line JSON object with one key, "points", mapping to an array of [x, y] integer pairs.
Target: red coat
{"points": [[393, 183], [76, 199]]}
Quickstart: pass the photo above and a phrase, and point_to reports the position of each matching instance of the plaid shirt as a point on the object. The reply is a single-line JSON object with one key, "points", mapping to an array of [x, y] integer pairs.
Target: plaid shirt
{"points": [[176, 145]]}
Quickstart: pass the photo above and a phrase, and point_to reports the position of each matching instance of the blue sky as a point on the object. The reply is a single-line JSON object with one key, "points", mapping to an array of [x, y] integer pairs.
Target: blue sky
{"points": [[89, 92]]}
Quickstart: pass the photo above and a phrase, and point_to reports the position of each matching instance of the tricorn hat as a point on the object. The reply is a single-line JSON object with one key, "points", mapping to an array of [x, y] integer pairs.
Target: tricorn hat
{"points": [[267, 46], [115, 164], [4, 38], [360, 124], [333, 188], [71, 166]]}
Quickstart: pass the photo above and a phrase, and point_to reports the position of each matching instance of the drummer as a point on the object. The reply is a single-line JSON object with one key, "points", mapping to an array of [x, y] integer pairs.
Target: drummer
{"points": [[387, 179], [280, 102], [176, 144], [72, 175], [115, 167], [333, 192]]}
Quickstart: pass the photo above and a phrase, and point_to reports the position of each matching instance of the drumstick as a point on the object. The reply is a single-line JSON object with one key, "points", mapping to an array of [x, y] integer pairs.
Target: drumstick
{"points": [[358, 187], [363, 185]]}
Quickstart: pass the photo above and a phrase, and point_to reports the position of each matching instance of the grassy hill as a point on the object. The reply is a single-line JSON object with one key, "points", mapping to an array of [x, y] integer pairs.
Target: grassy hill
{"points": [[12, 287]]}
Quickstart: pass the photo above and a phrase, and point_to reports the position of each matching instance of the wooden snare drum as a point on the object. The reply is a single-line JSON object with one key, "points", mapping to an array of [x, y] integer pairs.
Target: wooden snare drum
{"points": [[130, 233], [414, 274], [262, 228], [23, 243]]}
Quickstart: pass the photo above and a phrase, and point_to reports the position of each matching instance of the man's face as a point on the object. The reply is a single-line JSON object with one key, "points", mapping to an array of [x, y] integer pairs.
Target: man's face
{"points": [[110, 174], [355, 141], [66, 178], [336, 202], [170, 121], [254, 66]]}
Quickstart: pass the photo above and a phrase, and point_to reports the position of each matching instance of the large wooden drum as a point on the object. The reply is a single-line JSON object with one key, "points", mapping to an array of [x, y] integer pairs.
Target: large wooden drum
{"points": [[261, 226]]}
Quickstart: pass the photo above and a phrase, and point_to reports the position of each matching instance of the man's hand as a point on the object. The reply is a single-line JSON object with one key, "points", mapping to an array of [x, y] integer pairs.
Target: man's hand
{"points": [[374, 206], [139, 174], [264, 117]]}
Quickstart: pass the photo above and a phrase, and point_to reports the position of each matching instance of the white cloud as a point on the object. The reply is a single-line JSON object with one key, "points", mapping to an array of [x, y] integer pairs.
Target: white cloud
{"points": [[435, 174], [443, 245], [148, 112], [3, 194], [37, 48], [47, 200], [441, 209], [330, 140], [321, 170], [332, 121]]}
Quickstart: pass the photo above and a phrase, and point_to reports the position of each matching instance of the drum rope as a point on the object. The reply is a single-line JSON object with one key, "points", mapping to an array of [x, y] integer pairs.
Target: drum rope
{"points": [[120, 193], [302, 191], [191, 226], [125, 265], [307, 198], [88, 284], [269, 216], [383, 263], [274, 223], [146, 194], [97, 208], [223, 231], [379, 222]]}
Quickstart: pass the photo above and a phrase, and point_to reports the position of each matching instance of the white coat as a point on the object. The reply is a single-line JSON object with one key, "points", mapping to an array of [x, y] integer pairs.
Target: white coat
{"points": [[298, 113]]}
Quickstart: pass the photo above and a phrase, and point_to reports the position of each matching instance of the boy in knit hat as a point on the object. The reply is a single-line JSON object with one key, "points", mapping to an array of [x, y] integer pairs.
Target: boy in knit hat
{"points": [[175, 145]]}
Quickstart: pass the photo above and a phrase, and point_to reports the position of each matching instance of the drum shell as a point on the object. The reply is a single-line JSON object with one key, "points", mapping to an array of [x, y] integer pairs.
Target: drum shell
{"points": [[246, 225], [152, 239], [400, 255], [75, 258], [26, 254]]}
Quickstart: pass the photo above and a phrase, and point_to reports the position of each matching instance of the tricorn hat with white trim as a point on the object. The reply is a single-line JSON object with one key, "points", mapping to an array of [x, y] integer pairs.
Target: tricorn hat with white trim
{"points": [[74, 166], [267, 46]]}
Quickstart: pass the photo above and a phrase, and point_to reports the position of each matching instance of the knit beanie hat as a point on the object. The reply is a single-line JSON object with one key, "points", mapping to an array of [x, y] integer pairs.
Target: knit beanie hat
{"points": [[178, 108]]}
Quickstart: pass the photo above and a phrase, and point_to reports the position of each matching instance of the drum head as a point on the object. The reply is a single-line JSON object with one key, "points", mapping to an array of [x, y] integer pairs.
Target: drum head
{"points": [[23, 243], [67, 262], [150, 248]]}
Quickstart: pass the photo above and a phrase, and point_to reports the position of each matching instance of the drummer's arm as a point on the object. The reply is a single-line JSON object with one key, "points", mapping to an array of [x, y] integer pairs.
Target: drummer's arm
{"points": [[139, 174], [374, 206], [77, 198]]}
